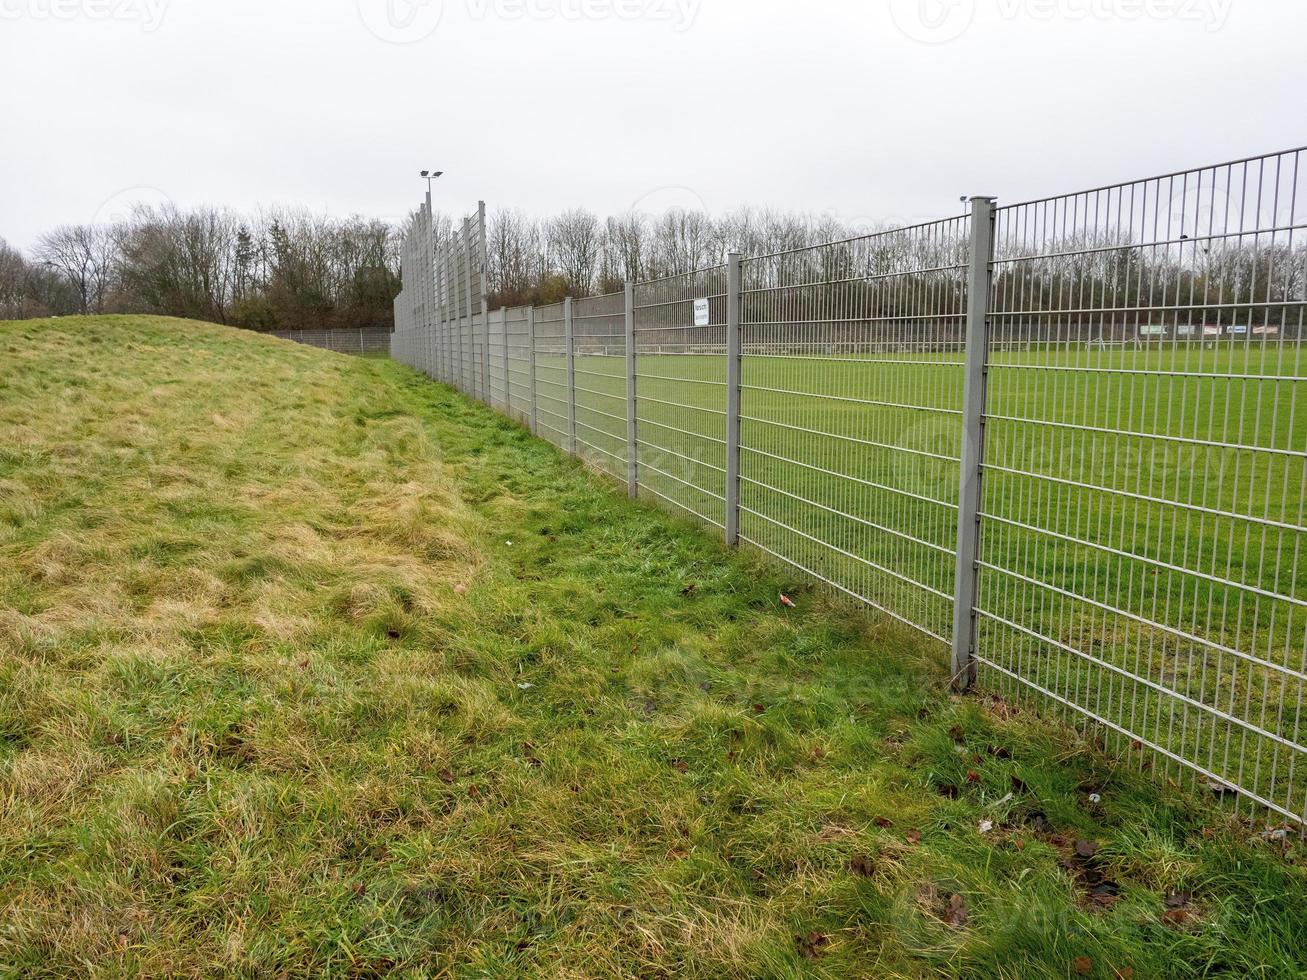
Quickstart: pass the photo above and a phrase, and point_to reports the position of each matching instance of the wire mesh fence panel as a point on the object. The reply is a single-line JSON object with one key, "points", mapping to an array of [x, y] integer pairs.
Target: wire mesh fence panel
{"points": [[552, 397], [1146, 448], [850, 404], [599, 345], [519, 366], [680, 365], [497, 361]]}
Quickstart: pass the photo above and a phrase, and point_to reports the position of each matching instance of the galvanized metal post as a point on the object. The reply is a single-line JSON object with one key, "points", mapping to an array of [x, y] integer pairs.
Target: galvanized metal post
{"points": [[531, 364], [485, 321], [632, 467], [733, 348], [979, 278], [571, 375], [471, 317], [508, 378]]}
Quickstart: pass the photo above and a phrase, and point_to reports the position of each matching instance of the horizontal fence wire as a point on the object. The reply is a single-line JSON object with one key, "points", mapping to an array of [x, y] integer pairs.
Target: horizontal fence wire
{"points": [[1142, 463], [1146, 448], [680, 401], [519, 366], [850, 398], [552, 398], [599, 345]]}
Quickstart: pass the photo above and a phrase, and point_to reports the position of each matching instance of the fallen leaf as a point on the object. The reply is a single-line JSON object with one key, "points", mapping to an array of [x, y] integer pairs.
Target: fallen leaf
{"points": [[955, 733], [913, 836], [883, 822], [758, 709], [1177, 917], [1086, 848], [460, 589], [689, 589], [1178, 900], [1083, 965], [446, 776], [986, 825], [957, 912], [680, 765], [1125, 973], [812, 944], [862, 864], [973, 776]]}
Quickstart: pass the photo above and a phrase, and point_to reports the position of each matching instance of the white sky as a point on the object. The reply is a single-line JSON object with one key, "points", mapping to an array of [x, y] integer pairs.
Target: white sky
{"points": [[869, 109]]}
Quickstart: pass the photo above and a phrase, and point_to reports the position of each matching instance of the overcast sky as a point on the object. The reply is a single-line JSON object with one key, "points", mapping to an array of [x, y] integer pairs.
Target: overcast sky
{"points": [[868, 109]]}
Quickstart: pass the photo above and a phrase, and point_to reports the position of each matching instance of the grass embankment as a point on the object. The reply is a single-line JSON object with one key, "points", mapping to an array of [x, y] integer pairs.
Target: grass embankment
{"points": [[308, 665]]}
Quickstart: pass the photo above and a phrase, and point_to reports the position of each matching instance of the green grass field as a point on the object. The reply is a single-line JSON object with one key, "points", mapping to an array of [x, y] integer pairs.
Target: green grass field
{"points": [[313, 667]]}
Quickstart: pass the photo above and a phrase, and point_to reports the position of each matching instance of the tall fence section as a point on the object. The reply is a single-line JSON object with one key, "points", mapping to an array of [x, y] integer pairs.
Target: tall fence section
{"points": [[1066, 439]]}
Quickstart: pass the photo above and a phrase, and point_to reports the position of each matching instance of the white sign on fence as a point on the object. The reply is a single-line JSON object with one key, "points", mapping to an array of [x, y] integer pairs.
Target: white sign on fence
{"points": [[702, 317]]}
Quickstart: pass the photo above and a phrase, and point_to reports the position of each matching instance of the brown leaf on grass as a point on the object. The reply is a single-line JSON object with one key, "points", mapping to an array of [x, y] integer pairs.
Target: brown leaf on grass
{"points": [[1086, 848], [445, 776], [1178, 900], [680, 765], [473, 792], [973, 776], [1083, 966], [689, 589], [1177, 917], [913, 836], [957, 912], [956, 733], [883, 822], [863, 865], [811, 945], [758, 709], [1124, 973]]}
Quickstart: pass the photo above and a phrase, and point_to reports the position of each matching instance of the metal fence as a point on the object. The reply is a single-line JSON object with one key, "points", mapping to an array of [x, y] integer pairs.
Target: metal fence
{"points": [[1061, 438], [342, 340]]}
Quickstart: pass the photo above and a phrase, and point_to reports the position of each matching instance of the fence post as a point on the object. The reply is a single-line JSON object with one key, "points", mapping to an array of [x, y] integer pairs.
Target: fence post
{"points": [[571, 375], [733, 348], [531, 360], [485, 361], [508, 380], [632, 471], [979, 276]]}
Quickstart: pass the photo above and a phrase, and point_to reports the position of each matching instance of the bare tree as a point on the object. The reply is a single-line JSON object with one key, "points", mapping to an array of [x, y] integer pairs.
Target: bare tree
{"points": [[576, 242], [87, 255]]}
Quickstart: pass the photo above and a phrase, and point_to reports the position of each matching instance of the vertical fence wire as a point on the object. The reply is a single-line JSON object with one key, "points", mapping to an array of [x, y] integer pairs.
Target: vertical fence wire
{"points": [[680, 368], [599, 342], [851, 399], [1143, 511]]}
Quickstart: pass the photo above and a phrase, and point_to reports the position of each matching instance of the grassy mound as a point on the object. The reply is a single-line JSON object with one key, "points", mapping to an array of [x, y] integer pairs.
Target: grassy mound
{"points": [[310, 666]]}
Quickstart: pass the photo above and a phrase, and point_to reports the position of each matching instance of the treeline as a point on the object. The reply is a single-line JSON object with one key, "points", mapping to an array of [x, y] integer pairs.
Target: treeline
{"points": [[579, 254], [280, 269]]}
